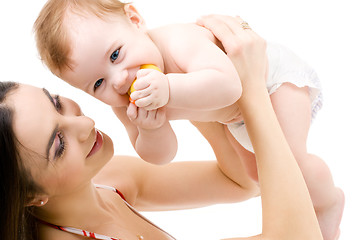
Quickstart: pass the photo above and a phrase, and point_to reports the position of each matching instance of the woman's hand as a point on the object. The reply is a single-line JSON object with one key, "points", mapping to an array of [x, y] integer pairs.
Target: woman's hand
{"points": [[244, 47], [278, 171]]}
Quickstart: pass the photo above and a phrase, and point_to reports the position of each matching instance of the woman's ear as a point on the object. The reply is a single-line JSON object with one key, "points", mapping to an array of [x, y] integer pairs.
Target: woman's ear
{"points": [[134, 16], [38, 201]]}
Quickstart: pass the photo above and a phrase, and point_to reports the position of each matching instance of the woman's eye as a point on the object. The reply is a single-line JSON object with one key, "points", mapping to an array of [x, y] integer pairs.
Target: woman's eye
{"points": [[114, 55], [98, 83], [60, 145]]}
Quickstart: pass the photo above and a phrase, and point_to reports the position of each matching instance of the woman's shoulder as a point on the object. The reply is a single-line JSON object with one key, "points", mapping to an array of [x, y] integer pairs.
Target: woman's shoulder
{"points": [[122, 173], [119, 166]]}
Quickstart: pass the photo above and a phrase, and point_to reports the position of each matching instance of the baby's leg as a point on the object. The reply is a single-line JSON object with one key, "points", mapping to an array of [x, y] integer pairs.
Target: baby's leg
{"points": [[293, 109], [247, 157]]}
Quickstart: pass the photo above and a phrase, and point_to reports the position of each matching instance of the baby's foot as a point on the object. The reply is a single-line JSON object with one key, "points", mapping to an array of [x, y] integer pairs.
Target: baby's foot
{"points": [[330, 218]]}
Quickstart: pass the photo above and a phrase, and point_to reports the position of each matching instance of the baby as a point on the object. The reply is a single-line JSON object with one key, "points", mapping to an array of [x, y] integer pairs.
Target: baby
{"points": [[99, 47]]}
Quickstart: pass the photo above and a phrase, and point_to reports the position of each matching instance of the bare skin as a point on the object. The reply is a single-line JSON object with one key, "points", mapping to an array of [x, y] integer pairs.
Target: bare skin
{"points": [[280, 221], [71, 199], [176, 93], [289, 104], [292, 106]]}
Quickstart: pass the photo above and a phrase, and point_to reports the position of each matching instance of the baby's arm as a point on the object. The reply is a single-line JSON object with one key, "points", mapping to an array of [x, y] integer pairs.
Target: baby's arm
{"points": [[199, 75], [210, 80], [151, 135]]}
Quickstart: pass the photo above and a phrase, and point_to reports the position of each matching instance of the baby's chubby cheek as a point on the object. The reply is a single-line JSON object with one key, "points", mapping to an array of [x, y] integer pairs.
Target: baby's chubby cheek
{"points": [[117, 100], [123, 101]]}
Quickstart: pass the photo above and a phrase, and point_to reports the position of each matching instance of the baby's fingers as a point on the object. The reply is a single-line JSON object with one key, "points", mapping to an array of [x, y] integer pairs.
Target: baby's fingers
{"points": [[138, 95], [131, 112], [145, 102]]}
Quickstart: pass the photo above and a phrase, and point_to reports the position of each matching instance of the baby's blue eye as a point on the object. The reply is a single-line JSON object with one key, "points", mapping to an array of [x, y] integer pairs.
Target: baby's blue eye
{"points": [[98, 83], [114, 55]]}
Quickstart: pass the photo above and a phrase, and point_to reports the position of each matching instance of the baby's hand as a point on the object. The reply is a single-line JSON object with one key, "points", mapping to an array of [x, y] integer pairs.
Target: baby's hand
{"points": [[151, 89], [144, 119]]}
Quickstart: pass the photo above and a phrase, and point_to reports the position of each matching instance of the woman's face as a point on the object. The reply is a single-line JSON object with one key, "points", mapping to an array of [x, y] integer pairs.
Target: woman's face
{"points": [[61, 147]]}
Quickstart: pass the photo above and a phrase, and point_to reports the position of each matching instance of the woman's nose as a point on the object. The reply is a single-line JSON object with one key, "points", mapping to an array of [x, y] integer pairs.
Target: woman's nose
{"points": [[71, 107], [81, 127]]}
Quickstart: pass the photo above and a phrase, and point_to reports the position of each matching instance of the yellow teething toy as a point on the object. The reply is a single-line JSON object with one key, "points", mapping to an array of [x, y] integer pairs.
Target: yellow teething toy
{"points": [[131, 89], [150, 66], [144, 66]]}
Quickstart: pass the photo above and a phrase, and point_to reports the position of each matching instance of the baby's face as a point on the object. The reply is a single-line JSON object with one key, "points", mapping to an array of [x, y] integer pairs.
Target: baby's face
{"points": [[107, 54]]}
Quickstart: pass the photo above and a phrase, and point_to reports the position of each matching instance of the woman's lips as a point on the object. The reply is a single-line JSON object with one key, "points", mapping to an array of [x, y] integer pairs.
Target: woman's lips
{"points": [[97, 145]]}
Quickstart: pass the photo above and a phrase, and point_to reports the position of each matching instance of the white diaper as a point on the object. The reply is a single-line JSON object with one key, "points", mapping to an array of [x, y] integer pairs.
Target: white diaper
{"points": [[284, 66]]}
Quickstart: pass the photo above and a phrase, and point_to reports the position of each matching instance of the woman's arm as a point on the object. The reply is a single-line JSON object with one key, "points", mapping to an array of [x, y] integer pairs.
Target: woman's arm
{"points": [[287, 208], [181, 185]]}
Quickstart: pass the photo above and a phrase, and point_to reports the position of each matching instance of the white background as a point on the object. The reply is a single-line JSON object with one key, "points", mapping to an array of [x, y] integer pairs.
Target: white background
{"points": [[318, 31]]}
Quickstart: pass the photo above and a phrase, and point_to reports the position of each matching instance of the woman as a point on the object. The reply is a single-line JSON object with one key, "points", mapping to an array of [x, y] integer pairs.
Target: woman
{"points": [[52, 154]]}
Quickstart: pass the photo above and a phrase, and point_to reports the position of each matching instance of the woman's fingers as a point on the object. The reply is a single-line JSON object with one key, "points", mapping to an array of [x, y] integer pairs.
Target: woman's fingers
{"points": [[220, 28], [243, 46], [232, 32]]}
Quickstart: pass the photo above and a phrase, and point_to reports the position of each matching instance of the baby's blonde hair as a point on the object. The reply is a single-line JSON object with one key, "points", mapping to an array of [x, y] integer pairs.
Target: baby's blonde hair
{"points": [[51, 36]]}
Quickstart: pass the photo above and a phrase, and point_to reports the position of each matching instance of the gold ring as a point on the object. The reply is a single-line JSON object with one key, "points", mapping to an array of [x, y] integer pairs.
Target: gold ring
{"points": [[245, 25]]}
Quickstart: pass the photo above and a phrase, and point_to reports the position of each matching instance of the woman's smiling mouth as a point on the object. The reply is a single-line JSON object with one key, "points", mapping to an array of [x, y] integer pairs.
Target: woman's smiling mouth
{"points": [[98, 143]]}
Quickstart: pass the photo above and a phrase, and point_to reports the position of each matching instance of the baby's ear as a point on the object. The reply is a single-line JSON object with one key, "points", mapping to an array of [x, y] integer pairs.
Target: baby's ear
{"points": [[134, 16]]}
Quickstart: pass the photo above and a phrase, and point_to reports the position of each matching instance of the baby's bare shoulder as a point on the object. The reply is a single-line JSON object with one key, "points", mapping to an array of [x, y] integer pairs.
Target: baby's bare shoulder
{"points": [[181, 32]]}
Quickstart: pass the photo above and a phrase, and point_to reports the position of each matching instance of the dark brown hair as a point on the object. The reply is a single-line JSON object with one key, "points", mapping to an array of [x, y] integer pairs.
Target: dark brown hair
{"points": [[17, 188]]}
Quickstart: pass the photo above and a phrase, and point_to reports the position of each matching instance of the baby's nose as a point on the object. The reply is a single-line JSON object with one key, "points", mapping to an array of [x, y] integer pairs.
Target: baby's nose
{"points": [[120, 82]]}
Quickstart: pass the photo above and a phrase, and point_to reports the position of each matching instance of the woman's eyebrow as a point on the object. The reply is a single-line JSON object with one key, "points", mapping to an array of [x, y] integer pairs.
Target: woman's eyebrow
{"points": [[53, 134], [46, 92]]}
